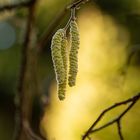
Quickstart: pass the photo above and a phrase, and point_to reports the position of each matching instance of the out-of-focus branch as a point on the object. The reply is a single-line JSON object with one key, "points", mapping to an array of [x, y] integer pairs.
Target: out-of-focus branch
{"points": [[46, 35], [92, 129], [44, 38], [50, 29], [131, 53], [76, 4], [23, 4], [24, 95], [30, 133]]}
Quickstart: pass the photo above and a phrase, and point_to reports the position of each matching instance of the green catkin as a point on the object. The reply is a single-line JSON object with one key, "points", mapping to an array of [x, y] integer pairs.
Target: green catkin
{"points": [[57, 57], [73, 56], [62, 86]]}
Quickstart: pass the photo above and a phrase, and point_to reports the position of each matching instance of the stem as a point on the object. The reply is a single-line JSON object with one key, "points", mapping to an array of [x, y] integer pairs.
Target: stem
{"points": [[24, 96]]}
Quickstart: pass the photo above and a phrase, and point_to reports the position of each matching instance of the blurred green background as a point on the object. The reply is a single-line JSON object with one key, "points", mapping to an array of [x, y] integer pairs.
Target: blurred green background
{"points": [[109, 32]]}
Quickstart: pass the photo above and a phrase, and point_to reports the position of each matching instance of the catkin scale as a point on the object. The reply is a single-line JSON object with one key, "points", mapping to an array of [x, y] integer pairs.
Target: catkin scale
{"points": [[73, 56]]}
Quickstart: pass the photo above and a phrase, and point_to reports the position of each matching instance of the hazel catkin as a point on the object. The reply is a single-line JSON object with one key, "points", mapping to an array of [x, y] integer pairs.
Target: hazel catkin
{"points": [[62, 86], [73, 56], [57, 57]]}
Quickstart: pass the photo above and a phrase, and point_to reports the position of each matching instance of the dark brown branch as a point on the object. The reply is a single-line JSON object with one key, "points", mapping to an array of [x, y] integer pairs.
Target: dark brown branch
{"points": [[91, 130], [113, 121], [22, 4], [77, 4], [22, 110], [30, 133], [119, 130]]}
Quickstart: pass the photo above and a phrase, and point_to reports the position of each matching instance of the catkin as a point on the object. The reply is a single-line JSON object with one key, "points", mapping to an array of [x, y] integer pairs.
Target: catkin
{"points": [[62, 86], [73, 56], [57, 57]]}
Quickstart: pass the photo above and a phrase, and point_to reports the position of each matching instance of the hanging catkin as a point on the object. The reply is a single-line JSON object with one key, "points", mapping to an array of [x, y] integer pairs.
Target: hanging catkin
{"points": [[73, 56], [57, 57], [62, 86]]}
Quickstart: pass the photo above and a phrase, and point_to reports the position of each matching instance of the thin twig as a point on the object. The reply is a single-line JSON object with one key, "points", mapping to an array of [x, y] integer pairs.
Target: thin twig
{"points": [[113, 121], [23, 4], [119, 130], [91, 130], [76, 4], [46, 35], [131, 53], [72, 17]]}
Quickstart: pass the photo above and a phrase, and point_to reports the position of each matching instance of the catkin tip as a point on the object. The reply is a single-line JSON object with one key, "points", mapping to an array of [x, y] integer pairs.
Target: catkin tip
{"points": [[61, 97], [71, 82]]}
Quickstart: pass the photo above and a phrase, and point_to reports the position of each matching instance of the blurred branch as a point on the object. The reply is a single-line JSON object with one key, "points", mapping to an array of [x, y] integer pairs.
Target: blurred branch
{"points": [[76, 4], [92, 129], [46, 35], [131, 53], [24, 95], [133, 50], [22, 4], [30, 133], [50, 29]]}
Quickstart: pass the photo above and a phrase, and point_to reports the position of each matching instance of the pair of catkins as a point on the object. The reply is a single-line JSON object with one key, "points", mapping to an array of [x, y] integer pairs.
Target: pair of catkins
{"points": [[59, 50]]}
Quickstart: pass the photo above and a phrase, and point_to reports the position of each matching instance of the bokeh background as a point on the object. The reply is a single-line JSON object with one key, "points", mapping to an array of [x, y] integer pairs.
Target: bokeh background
{"points": [[109, 32]]}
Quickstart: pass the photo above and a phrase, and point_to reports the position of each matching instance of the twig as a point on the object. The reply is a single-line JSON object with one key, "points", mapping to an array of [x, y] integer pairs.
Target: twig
{"points": [[117, 120], [113, 121], [46, 35], [76, 4], [22, 4], [119, 130], [132, 51], [72, 17]]}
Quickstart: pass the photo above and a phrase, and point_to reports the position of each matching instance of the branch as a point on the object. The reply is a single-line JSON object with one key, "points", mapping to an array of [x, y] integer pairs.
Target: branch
{"points": [[51, 27], [131, 53], [22, 4], [30, 133], [76, 4], [24, 97], [117, 120], [119, 130]]}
